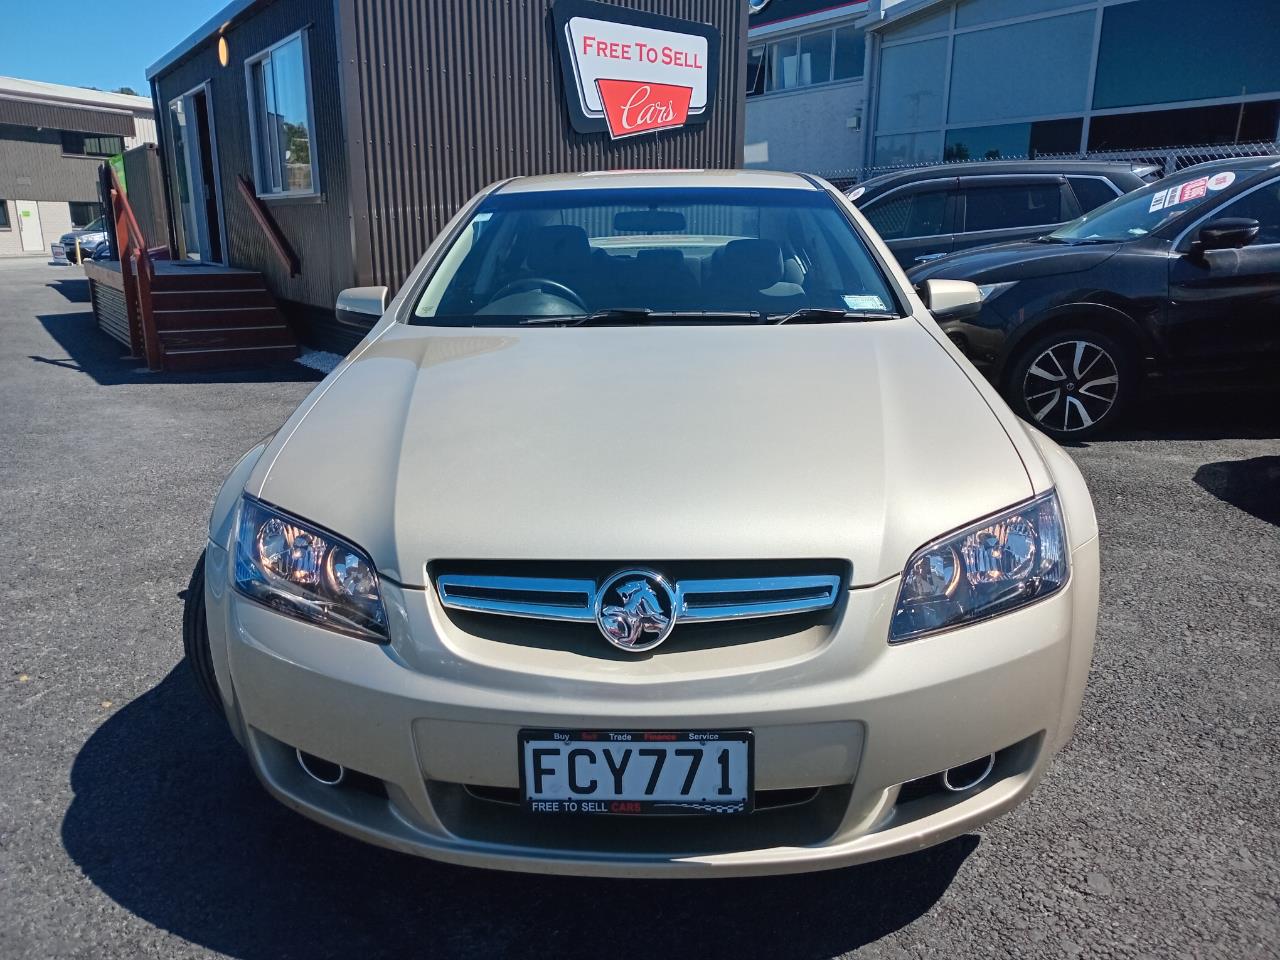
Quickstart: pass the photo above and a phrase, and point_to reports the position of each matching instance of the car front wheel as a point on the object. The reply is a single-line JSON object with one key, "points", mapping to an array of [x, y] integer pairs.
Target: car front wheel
{"points": [[195, 638], [1072, 384]]}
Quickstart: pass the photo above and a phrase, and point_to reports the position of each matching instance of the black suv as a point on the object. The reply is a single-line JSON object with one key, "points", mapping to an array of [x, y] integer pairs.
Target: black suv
{"points": [[1178, 282], [928, 212]]}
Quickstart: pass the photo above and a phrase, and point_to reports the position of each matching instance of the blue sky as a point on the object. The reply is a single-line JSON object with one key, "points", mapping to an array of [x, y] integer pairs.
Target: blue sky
{"points": [[94, 44]]}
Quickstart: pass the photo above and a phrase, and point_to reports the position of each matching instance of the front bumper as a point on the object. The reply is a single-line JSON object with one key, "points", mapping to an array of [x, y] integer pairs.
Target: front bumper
{"points": [[431, 723]]}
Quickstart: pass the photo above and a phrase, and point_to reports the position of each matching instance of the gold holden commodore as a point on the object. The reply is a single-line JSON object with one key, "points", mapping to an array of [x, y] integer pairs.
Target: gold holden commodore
{"points": [[655, 529]]}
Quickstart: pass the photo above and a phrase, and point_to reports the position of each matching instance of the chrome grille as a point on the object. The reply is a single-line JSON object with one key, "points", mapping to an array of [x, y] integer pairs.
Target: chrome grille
{"points": [[553, 598]]}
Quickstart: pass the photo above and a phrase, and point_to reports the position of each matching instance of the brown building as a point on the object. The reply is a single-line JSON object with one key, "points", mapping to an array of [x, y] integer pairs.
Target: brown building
{"points": [[323, 143]]}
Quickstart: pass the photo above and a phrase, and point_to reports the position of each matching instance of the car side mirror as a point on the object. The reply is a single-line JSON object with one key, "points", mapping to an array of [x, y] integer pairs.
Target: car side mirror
{"points": [[361, 306], [1229, 233], [951, 299]]}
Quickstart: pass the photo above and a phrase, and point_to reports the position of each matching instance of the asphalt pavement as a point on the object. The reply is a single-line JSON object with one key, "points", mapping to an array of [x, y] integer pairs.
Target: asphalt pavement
{"points": [[131, 826]]}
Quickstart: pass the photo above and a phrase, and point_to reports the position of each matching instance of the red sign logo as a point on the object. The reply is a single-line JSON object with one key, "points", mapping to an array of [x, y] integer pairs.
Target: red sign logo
{"points": [[634, 106]]}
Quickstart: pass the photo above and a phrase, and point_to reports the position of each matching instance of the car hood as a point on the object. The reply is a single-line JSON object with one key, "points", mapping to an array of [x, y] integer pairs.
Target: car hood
{"points": [[853, 441], [1020, 260]]}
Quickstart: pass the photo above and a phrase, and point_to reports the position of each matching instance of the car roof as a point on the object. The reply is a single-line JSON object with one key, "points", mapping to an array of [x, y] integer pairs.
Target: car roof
{"points": [[979, 168], [1231, 163], [611, 179]]}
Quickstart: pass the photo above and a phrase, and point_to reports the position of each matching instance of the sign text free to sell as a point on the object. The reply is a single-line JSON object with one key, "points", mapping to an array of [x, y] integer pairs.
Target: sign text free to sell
{"points": [[642, 52], [609, 50]]}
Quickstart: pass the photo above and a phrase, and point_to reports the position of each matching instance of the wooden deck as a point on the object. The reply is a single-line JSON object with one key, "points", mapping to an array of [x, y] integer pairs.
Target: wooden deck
{"points": [[205, 315]]}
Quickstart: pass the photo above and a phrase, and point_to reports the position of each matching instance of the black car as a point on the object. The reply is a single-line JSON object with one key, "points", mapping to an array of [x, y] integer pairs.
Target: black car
{"points": [[1177, 282], [927, 212]]}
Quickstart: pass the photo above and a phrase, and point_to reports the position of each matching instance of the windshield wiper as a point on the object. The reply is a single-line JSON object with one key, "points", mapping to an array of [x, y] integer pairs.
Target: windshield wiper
{"points": [[828, 315], [625, 315]]}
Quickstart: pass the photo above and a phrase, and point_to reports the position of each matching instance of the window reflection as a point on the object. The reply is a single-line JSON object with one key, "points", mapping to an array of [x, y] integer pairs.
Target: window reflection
{"points": [[281, 101]]}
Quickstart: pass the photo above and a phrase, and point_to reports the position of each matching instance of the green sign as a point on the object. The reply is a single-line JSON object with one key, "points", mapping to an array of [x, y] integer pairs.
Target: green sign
{"points": [[117, 164]]}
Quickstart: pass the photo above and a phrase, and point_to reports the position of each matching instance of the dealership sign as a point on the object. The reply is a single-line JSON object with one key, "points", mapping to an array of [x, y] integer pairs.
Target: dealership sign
{"points": [[628, 72]]}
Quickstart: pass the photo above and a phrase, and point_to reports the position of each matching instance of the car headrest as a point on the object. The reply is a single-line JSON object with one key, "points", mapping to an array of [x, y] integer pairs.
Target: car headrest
{"points": [[661, 259], [558, 248], [758, 262]]}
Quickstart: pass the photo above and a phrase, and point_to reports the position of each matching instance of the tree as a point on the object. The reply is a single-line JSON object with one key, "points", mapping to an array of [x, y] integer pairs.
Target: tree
{"points": [[128, 91]]}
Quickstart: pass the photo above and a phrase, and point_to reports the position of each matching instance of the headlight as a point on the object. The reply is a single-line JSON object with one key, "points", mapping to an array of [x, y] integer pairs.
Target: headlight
{"points": [[989, 291], [307, 573], [994, 566]]}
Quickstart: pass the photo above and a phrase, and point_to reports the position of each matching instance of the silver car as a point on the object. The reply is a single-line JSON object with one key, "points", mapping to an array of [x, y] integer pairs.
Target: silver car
{"points": [[654, 530]]}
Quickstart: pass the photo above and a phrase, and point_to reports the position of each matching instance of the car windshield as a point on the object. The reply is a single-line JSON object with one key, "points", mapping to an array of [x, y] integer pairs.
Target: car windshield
{"points": [[1148, 208], [94, 227], [655, 254]]}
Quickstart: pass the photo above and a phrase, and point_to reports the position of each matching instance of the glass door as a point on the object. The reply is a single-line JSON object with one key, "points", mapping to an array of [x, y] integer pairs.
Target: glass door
{"points": [[195, 180], [186, 182]]}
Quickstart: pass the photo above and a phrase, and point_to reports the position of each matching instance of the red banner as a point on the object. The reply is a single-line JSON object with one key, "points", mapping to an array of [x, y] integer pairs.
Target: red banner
{"points": [[633, 106]]}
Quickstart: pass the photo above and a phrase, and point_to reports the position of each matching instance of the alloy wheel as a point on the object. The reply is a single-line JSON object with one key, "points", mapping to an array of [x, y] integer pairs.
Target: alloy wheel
{"points": [[1071, 386]]}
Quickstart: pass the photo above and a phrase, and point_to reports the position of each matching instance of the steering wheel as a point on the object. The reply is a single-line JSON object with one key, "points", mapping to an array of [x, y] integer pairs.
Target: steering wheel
{"points": [[543, 284]]}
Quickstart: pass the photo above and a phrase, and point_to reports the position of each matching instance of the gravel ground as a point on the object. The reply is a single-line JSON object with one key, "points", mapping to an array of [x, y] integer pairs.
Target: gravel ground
{"points": [[130, 825]]}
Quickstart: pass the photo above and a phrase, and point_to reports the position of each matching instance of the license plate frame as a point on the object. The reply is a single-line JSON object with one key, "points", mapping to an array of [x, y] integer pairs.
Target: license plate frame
{"points": [[667, 740]]}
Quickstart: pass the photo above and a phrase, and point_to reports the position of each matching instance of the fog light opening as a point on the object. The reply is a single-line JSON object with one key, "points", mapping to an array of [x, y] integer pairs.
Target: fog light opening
{"points": [[321, 770], [968, 775]]}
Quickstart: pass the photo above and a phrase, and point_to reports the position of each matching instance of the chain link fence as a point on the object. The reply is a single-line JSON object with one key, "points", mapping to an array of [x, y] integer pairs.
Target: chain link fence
{"points": [[1168, 160]]}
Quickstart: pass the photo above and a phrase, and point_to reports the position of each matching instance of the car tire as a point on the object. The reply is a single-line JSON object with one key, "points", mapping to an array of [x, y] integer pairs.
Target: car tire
{"points": [[1072, 384], [195, 638]]}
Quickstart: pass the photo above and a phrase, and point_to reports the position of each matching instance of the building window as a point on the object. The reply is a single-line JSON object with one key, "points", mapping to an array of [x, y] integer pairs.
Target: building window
{"points": [[4, 215], [1052, 54], [972, 12], [904, 149], [851, 54], [1014, 140], [1168, 51], [912, 77], [1226, 123], [91, 144], [755, 71], [281, 116], [810, 59], [83, 214]]}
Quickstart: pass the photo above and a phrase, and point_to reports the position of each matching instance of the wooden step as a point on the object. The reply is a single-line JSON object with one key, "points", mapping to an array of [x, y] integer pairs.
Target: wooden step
{"points": [[278, 336], [205, 319], [210, 299], [214, 358], [208, 281]]}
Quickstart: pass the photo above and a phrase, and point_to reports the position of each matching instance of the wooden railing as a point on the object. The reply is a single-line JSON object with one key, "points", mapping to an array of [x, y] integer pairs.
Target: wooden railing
{"points": [[275, 237], [137, 273]]}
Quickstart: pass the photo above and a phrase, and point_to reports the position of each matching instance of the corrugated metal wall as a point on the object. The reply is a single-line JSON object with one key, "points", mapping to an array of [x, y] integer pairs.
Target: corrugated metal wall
{"points": [[65, 116], [145, 187], [318, 228], [144, 130], [33, 167], [447, 96]]}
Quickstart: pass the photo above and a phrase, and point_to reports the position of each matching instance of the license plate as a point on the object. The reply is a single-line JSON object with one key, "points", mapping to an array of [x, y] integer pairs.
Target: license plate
{"points": [[636, 772]]}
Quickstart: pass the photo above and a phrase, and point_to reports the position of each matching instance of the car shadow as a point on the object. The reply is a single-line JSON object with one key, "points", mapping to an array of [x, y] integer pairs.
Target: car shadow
{"points": [[169, 821], [90, 351], [1247, 414], [1250, 485]]}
